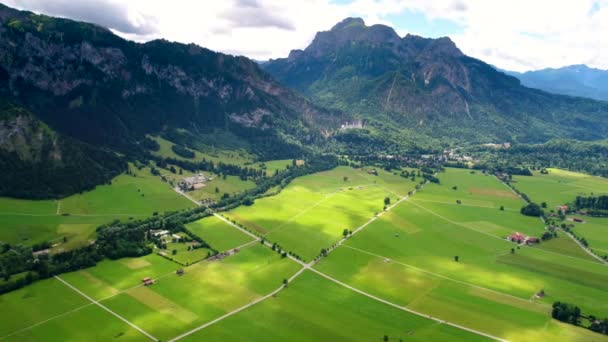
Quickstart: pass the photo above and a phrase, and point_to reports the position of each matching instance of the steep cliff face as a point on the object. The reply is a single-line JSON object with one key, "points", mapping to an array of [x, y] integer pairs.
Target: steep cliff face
{"points": [[430, 86], [90, 84]]}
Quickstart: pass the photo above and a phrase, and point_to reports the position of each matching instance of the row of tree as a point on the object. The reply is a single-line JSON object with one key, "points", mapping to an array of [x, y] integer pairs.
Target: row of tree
{"points": [[571, 314]]}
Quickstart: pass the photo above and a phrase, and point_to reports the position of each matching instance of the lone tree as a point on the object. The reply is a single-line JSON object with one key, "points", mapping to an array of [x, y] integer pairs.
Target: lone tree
{"points": [[285, 282], [387, 200], [456, 258], [174, 251], [512, 250], [345, 232], [458, 202], [502, 208], [385, 338], [345, 179], [455, 187]]}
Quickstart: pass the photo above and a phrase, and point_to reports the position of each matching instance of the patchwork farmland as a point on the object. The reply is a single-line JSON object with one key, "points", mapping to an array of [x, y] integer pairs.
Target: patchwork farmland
{"points": [[417, 262]]}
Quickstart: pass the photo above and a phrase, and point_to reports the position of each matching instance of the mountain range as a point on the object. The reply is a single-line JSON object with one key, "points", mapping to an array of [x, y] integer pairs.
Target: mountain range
{"points": [[575, 80], [420, 88], [77, 102], [89, 85]]}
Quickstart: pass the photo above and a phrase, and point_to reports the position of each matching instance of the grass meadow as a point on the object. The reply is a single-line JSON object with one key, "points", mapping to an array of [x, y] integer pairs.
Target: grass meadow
{"points": [[312, 212], [312, 308], [76, 217], [218, 234], [560, 187]]}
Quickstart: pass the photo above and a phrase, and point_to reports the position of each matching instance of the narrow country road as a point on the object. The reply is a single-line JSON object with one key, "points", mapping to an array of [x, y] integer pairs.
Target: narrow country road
{"points": [[108, 310]]}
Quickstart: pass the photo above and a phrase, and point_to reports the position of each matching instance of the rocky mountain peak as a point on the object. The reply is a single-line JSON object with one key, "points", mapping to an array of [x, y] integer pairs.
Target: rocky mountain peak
{"points": [[352, 31]]}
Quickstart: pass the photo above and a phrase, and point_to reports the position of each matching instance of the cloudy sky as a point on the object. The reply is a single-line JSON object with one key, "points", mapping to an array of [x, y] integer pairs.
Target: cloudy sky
{"points": [[512, 34]]}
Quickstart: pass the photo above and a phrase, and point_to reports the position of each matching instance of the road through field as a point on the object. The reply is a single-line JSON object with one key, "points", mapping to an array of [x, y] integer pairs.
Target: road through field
{"points": [[108, 310]]}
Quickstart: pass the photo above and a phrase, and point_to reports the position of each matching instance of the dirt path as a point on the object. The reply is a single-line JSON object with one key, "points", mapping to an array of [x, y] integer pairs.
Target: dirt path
{"points": [[108, 310]]}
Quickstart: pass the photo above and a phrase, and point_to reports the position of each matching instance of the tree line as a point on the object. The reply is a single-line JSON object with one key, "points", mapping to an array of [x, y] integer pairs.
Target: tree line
{"points": [[131, 239]]}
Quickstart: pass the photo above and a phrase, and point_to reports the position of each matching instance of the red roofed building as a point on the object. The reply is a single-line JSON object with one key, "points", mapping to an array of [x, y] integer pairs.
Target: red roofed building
{"points": [[516, 237], [562, 208]]}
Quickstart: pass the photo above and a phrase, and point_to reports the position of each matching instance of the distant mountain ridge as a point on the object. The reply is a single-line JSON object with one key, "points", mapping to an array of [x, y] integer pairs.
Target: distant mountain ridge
{"points": [[574, 80], [418, 88]]}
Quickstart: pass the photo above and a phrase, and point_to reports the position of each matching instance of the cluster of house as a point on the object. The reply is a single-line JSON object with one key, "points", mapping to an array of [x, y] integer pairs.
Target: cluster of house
{"points": [[520, 238], [504, 145], [356, 124], [195, 182], [147, 281]]}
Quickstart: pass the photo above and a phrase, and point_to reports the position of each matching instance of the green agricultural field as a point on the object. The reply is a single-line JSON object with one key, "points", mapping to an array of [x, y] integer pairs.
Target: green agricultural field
{"points": [[313, 211], [218, 234], [238, 157], [560, 186], [75, 218], [408, 234], [183, 255], [595, 231], [502, 315], [481, 196], [472, 188], [176, 304], [315, 309], [231, 185]]}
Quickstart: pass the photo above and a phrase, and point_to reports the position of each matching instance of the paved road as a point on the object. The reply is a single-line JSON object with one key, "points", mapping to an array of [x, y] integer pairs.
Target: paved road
{"points": [[105, 308]]}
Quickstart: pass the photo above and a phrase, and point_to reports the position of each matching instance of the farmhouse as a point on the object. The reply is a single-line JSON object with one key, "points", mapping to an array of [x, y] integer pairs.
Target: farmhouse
{"points": [[195, 182], [578, 220], [180, 272], [157, 233], [373, 172], [563, 208], [520, 238], [147, 281]]}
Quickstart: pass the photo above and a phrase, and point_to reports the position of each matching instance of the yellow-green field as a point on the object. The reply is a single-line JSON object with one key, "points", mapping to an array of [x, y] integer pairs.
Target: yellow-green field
{"points": [[313, 211]]}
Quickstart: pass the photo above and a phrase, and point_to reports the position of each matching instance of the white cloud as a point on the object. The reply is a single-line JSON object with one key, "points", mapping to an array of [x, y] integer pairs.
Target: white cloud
{"points": [[512, 34]]}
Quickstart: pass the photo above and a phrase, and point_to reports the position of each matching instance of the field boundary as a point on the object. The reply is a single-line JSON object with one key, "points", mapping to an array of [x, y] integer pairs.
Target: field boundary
{"points": [[586, 249], [440, 321], [237, 310], [497, 237], [444, 277], [93, 301]]}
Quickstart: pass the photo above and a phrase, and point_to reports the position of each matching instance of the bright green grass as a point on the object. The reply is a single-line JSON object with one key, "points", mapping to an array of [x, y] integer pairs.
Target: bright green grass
{"points": [[473, 189], [560, 186], [315, 309], [312, 212], [176, 304], [110, 277], [488, 311], [141, 195], [76, 217], [481, 198], [90, 323], [35, 303], [183, 255], [232, 185], [218, 234], [595, 230], [411, 235]]}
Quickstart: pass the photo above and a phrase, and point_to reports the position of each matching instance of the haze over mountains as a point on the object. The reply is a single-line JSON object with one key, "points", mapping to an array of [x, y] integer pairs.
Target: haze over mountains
{"points": [[575, 80], [430, 86], [100, 96]]}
